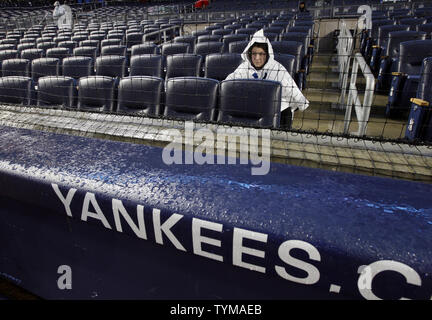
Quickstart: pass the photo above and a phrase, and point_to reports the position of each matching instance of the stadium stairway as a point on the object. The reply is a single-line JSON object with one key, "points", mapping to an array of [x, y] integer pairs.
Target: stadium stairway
{"points": [[324, 111]]}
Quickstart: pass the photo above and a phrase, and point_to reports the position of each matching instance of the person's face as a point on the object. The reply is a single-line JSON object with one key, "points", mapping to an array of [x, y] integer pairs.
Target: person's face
{"points": [[259, 57]]}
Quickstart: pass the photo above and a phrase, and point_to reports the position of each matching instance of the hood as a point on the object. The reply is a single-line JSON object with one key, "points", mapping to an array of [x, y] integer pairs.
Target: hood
{"points": [[258, 37]]}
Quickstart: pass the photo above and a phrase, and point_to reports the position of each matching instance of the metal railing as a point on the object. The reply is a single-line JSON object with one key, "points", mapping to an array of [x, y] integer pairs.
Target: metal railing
{"points": [[344, 53], [362, 110], [164, 33]]}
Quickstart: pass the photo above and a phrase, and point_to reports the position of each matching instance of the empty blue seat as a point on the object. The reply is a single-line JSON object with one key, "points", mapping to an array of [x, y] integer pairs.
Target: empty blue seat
{"points": [[219, 66], [238, 46], [288, 61], [383, 35], [134, 38], [118, 50], [144, 48], [227, 39], [8, 54], [222, 32], [17, 90], [8, 47], [187, 39], [140, 95], [110, 42], [56, 91], [183, 65], [175, 48], [32, 54], [96, 93], [15, 67], [248, 31], [405, 80], [77, 67], [419, 125], [250, 102], [85, 51], [205, 48], [59, 53], [45, 67], [296, 49], [388, 61], [46, 45], [111, 66], [191, 98], [146, 65], [70, 45], [209, 38], [413, 23]]}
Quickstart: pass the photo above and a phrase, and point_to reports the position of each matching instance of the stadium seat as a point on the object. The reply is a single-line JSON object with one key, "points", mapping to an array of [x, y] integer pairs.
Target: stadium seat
{"points": [[110, 42], [209, 38], [201, 33], [237, 46], [140, 95], [371, 39], [219, 66], [308, 50], [17, 90], [296, 49], [96, 93], [205, 48], [187, 39], [56, 91], [233, 38], [388, 61], [426, 28], [146, 65], [118, 50], [111, 66], [8, 54], [405, 80], [419, 125], [413, 23], [175, 48], [32, 54], [8, 47], [250, 102], [191, 98], [77, 67], [86, 52], [183, 65], [144, 48], [45, 67], [248, 31], [46, 45], [383, 35], [15, 67], [70, 45], [222, 32], [59, 53], [134, 38], [90, 43], [288, 61], [60, 39], [23, 46]]}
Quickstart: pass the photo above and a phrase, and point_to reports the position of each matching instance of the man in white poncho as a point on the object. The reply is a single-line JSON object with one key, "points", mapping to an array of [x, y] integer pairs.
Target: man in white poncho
{"points": [[259, 63]]}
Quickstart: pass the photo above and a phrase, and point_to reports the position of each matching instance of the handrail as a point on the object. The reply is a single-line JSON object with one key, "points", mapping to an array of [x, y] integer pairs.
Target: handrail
{"points": [[164, 31], [362, 110], [344, 52]]}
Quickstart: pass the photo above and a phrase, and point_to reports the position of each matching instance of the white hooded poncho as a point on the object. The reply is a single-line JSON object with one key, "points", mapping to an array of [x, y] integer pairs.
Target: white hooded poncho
{"points": [[272, 70]]}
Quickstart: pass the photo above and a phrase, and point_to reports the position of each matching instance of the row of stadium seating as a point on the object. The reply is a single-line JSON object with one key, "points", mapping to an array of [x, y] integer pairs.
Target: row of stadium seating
{"points": [[398, 50], [247, 102]]}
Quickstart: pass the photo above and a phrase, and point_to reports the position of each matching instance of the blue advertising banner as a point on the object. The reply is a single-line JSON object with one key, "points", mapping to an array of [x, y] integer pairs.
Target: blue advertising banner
{"points": [[84, 218]]}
